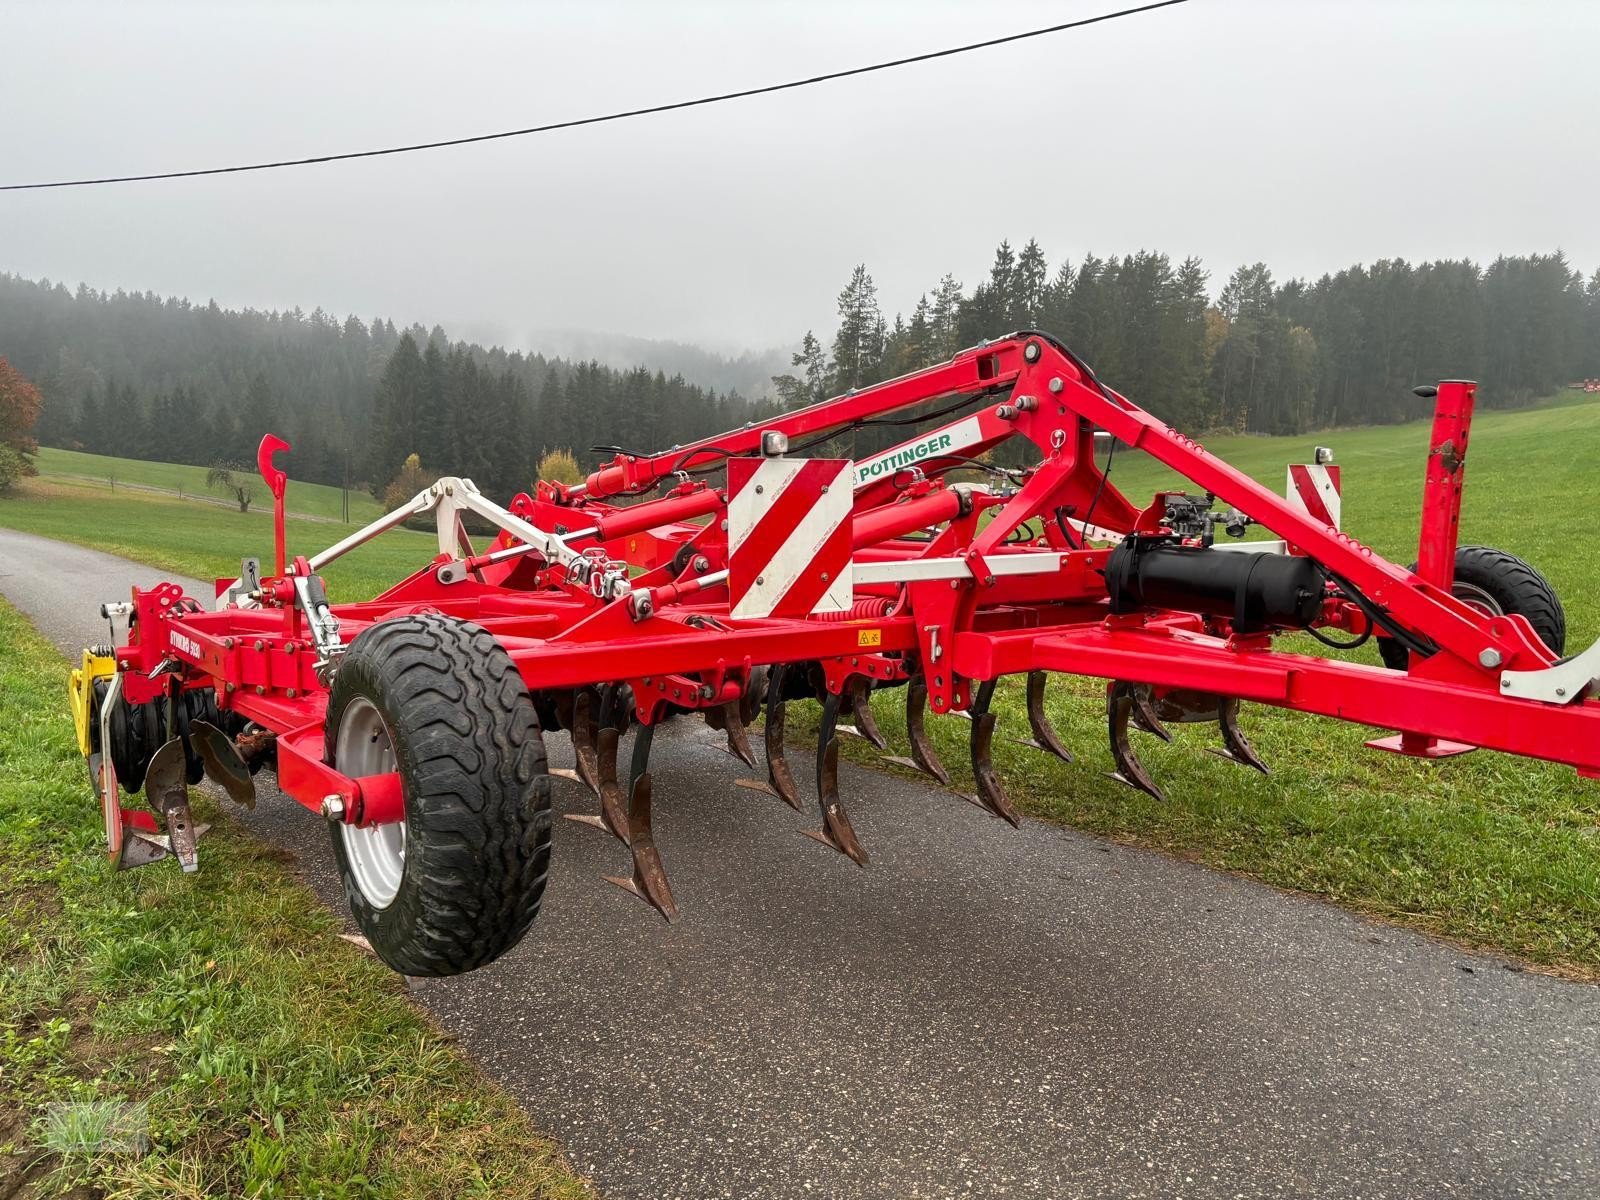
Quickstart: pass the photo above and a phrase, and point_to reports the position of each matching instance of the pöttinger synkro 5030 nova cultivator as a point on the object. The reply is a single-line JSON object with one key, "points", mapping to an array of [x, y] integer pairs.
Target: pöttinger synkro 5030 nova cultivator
{"points": [[412, 722]]}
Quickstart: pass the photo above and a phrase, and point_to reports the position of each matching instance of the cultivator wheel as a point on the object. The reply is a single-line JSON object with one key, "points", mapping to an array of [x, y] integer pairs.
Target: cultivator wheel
{"points": [[458, 879], [1496, 583], [655, 590]]}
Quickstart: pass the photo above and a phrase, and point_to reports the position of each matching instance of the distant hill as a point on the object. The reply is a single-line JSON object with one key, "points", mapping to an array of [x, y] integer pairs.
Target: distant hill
{"points": [[750, 373]]}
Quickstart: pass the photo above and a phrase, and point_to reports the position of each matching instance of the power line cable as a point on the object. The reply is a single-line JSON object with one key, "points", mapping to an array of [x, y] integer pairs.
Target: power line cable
{"points": [[605, 118]]}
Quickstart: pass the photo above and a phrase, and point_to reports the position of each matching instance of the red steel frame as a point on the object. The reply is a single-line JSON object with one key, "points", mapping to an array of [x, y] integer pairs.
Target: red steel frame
{"points": [[961, 604]]}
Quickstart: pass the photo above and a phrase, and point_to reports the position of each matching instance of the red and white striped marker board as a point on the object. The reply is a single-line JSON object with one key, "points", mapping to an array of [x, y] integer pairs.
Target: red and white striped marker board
{"points": [[1314, 490], [789, 536]]}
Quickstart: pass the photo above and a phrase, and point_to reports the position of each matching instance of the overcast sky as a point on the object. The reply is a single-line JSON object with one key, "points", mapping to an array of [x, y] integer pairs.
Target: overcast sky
{"points": [[1307, 135]]}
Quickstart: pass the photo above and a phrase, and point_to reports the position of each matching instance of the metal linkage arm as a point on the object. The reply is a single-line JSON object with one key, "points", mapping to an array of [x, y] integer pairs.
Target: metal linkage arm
{"points": [[984, 368]]}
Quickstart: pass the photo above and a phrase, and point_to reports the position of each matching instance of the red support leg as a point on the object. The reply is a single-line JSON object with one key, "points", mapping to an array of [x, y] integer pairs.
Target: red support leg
{"points": [[1441, 529]]}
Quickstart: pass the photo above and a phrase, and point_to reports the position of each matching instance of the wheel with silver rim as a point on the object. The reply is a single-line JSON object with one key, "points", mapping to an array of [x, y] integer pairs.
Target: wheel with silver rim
{"points": [[1497, 584], [459, 879], [376, 853]]}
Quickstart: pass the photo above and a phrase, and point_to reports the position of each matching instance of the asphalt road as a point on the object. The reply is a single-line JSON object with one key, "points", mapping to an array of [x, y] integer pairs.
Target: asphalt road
{"points": [[982, 1012]]}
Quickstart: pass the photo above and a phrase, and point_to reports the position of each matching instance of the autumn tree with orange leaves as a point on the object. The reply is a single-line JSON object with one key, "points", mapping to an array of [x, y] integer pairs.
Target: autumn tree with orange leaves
{"points": [[19, 409]]}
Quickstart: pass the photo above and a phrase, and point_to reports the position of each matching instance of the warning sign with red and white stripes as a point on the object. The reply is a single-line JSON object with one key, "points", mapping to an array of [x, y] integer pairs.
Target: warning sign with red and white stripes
{"points": [[789, 536], [1314, 490]]}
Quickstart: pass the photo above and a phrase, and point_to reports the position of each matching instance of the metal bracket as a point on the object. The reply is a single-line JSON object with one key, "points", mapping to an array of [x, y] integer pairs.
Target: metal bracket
{"points": [[1562, 683]]}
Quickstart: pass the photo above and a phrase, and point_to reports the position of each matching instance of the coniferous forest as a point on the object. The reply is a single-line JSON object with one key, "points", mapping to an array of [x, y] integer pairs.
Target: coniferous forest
{"points": [[144, 376]]}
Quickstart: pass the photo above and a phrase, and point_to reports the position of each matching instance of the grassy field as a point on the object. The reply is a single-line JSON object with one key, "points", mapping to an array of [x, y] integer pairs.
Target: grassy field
{"points": [[202, 541], [218, 1017], [1486, 849], [103, 471]]}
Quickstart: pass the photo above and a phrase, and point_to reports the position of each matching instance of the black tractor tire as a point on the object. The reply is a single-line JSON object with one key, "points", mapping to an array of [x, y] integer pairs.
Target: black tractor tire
{"points": [[1494, 580], [466, 741]]}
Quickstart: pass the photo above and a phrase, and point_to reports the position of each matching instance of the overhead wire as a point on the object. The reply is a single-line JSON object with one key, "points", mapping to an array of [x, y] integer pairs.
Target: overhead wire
{"points": [[602, 118]]}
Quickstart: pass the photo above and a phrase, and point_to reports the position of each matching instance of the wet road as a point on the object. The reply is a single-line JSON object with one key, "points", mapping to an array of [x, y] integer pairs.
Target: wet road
{"points": [[982, 1012]]}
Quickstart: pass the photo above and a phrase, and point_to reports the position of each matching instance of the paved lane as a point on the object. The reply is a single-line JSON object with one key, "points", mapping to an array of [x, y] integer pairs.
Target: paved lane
{"points": [[983, 1012]]}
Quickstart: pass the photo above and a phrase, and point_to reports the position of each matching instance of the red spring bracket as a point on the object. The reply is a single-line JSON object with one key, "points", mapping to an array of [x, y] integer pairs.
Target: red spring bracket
{"points": [[276, 480]]}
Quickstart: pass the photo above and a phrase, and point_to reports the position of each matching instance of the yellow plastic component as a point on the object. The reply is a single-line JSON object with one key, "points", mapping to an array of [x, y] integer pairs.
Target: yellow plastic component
{"points": [[80, 691]]}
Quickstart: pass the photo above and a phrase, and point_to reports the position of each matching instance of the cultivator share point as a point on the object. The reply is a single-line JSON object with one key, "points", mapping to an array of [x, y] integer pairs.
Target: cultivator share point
{"points": [[413, 723]]}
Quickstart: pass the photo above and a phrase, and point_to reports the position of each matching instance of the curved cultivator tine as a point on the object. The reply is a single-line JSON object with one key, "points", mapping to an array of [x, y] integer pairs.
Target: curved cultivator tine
{"points": [[1235, 746], [755, 692], [649, 878], [991, 794], [613, 816], [738, 741], [924, 757], [861, 706], [1120, 706], [1044, 733], [582, 727], [836, 829], [778, 773], [1143, 713]]}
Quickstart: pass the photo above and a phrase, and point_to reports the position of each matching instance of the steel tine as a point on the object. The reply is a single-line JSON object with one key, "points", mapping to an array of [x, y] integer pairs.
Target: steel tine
{"points": [[991, 793], [1044, 733], [778, 773], [924, 757], [738, 740], [613, 816], [1235, 746], [1144, 712], [836, 829], [584, 703], [755, 691], [224, 764], [649, 878], [166, 785], [861, 706], [1119, 708]]}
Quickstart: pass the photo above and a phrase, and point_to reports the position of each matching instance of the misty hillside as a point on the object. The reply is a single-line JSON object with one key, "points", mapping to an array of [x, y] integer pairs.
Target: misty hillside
{"points": [[750, 373]]}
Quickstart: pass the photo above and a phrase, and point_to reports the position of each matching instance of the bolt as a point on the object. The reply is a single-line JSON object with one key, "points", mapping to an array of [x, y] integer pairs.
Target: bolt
{"points": [[1490, 658], [702, 563], [824, 577], [333, 807], [988, 581], [759, 489], [260, 691], [227, 643], [1056, 386], [855, 662], [760, 579], [229, 686], [954, 583], [292, 693], [706, 691], [1561, 691], [260, 645], [290, 647], [1031, 352], [824, 489], [677, 693], [1505, 683]]}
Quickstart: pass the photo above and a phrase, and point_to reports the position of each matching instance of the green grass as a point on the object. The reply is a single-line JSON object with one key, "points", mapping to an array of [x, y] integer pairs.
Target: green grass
{"points": [[202, 541], [272, 1058], [105, 472]]}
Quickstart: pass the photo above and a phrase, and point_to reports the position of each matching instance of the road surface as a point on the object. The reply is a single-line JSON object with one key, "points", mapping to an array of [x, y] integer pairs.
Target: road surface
{"points": [[982, 1012]]}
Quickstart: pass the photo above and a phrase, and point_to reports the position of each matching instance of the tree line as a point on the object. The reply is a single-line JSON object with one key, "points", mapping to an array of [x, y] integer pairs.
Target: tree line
{"points": [[1266, 357], [144, 376]]}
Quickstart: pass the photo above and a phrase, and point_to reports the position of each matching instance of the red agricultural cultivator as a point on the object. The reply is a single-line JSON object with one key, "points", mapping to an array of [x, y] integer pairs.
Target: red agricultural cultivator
{"points": [[732, 576]]}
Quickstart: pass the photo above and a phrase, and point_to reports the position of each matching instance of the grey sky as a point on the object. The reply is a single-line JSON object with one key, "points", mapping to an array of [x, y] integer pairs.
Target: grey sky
{"points": [[1307, 135]]}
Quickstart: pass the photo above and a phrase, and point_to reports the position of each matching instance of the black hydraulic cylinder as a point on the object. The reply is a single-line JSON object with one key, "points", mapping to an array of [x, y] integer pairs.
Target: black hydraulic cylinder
{"points": [[1253, 591]]}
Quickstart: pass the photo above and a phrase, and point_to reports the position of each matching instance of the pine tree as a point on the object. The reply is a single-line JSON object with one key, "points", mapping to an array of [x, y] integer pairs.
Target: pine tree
{"points": [[858, 344]]}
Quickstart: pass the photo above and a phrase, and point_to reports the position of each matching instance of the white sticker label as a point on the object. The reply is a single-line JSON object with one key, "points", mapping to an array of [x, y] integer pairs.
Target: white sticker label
{"points": [[949, 440]]}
